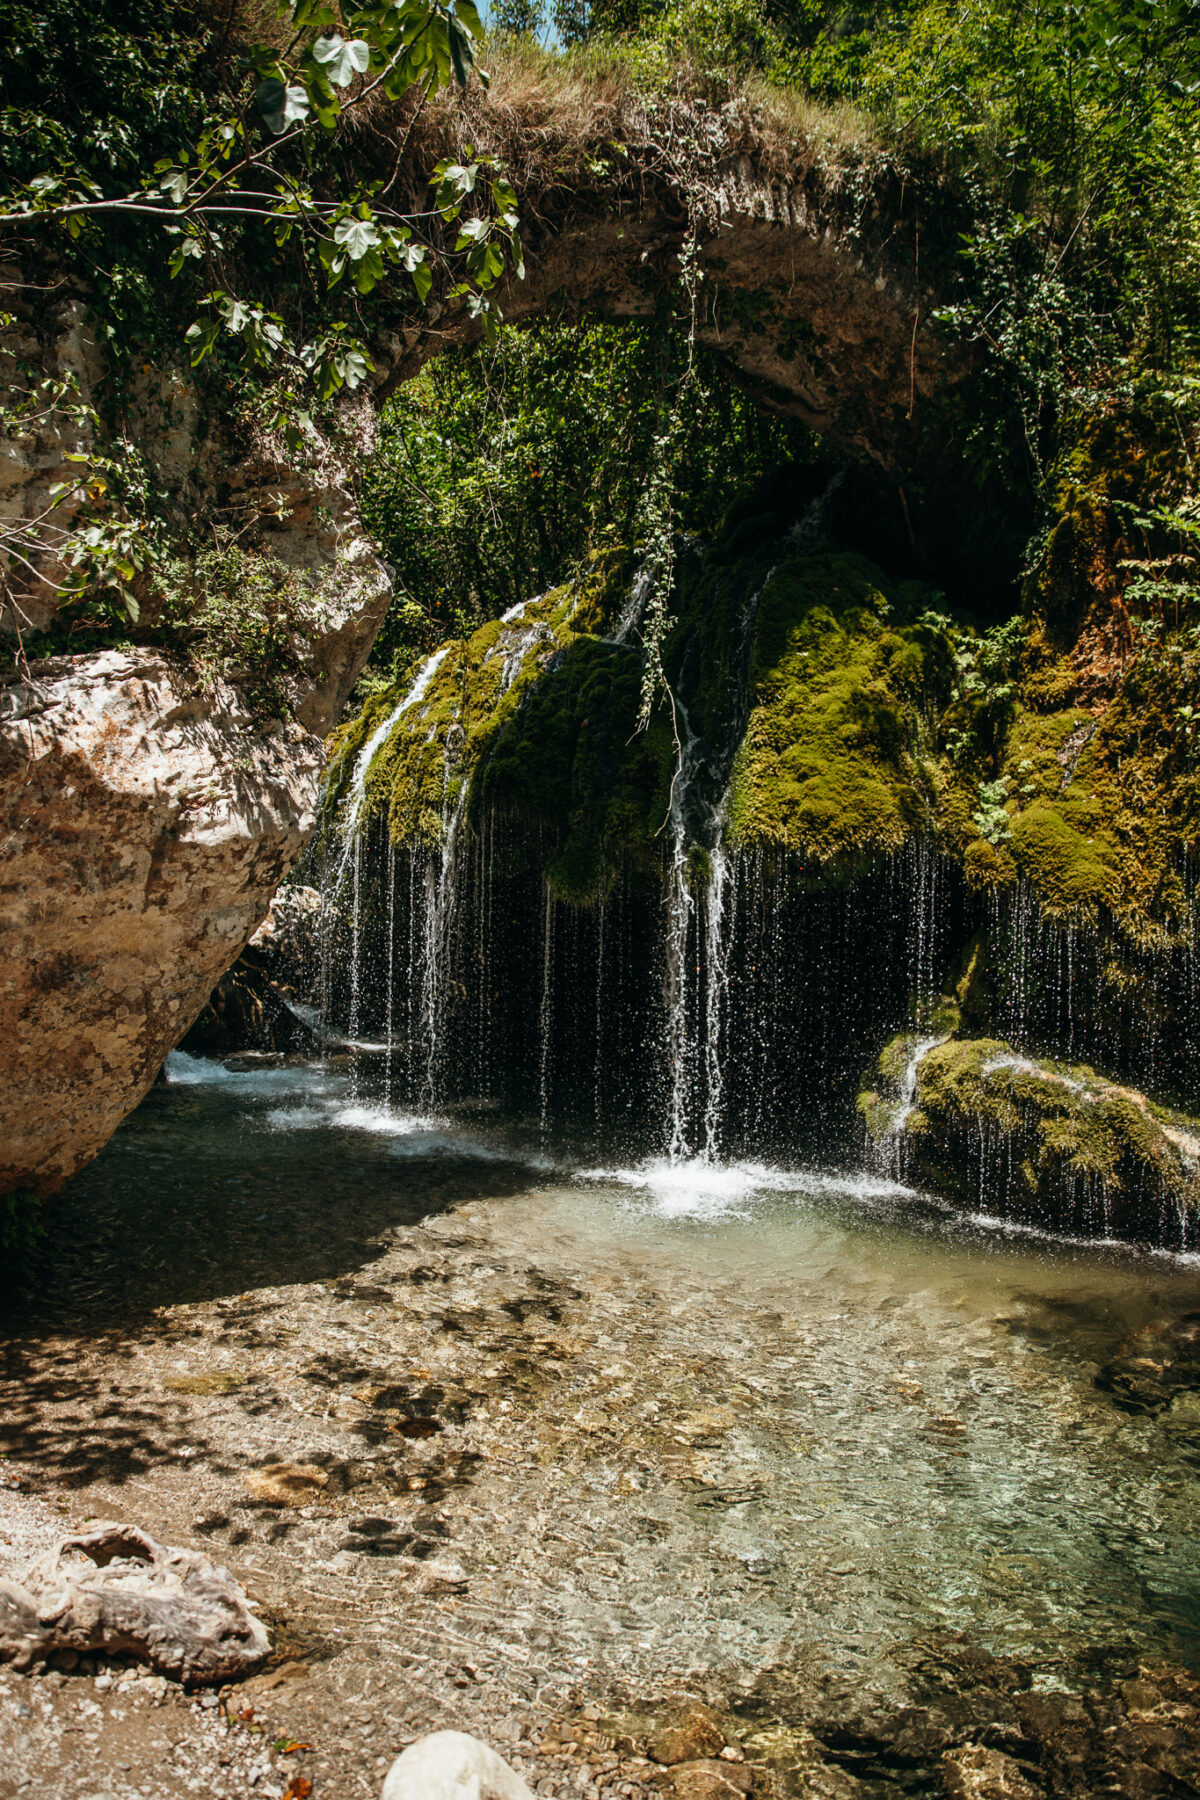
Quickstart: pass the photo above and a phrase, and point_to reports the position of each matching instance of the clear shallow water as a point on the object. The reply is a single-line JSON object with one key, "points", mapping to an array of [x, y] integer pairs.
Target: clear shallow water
{"points": [[831, 1414]]}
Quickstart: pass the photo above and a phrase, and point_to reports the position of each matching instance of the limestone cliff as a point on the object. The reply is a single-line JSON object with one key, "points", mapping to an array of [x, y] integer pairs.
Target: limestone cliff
{"points": [[147, 808]]}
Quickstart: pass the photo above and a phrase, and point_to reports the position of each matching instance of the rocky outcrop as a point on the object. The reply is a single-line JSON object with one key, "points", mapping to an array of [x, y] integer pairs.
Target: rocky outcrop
{"points": [[148, 809], [813, 263], [258, 1004], [1048, 1144], [143, 830], [116, 1589]]}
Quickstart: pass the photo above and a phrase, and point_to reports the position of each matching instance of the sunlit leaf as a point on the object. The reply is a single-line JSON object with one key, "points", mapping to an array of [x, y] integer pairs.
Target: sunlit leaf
{"points": [[342, 61]]}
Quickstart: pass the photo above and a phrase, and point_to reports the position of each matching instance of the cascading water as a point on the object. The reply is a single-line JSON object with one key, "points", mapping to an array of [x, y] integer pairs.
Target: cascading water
{"points": [[356, 790], [892, 1144], [441, 897], [351, 835], [462, 957], [718, 944], [698, 933], [681, 1034], [546, 1014]]}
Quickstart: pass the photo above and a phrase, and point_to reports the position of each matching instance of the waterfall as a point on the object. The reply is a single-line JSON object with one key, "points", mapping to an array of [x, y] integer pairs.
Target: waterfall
{"points": [[441, 898], [681, 1036], [718, 942], [546, 1013], [356, 791], [732, 996], [702, 932]]}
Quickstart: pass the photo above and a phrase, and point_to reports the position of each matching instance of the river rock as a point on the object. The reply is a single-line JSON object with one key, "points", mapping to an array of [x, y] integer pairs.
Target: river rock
{"points": [[708, 1779], [117, 1590], [694, 1733], [1053, 1145], [1154, 1365], [286, 1484], [976, 1772], [450, 1765]]}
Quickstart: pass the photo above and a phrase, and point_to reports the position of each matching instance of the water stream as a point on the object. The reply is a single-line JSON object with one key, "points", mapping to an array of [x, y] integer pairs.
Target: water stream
{"points": [[755, 1411]]}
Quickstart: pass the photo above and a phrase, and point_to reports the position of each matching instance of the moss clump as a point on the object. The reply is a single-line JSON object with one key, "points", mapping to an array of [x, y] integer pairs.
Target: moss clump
{"points": [[534, 715], [842, 680], [815, 667], [829, 712], [1049, 1143]]}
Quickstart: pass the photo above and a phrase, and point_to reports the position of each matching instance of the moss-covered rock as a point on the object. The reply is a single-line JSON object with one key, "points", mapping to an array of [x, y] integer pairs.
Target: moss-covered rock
{"points": [[831, 712], [835, 761], [1047, 1143], [803, 683]]}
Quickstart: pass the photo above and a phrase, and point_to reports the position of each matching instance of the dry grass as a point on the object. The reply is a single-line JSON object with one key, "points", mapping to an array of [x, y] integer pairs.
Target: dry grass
{"points": [[601, 117], [598, 115]]}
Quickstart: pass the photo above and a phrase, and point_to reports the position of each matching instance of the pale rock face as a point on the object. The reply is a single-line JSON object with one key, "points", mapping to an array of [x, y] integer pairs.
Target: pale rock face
{"points": [[146, 818], [142, 832], [450, 1765], [117, 1590]]}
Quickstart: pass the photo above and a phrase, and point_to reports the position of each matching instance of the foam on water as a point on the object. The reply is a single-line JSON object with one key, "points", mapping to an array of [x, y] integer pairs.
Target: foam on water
{"points": [[182, 1070], [407, 1134], [698, 1188]]}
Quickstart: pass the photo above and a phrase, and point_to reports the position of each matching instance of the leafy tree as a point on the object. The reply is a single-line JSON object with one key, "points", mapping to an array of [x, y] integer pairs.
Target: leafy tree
{"points": [[500, 469], [194, 148]]}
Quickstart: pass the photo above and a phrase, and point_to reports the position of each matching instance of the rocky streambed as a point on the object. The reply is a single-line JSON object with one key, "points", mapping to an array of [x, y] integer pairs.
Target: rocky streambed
{"points": [[694, 1480]]}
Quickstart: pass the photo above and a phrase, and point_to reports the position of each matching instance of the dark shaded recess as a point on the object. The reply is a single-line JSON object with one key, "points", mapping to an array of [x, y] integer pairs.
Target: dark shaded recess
{"points": [[245, 1012], [194, 1199], [966, 534], [558, 1009]]}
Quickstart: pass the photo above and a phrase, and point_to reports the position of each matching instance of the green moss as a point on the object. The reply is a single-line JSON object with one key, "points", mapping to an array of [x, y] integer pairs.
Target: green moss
{"points": [[828, 765], [1037, 1138], [1074, 873], [835, 716]]}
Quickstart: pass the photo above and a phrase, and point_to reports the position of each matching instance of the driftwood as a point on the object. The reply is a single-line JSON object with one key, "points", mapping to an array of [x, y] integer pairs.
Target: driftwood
{"points": [[449, 1765], [117, 1590]]}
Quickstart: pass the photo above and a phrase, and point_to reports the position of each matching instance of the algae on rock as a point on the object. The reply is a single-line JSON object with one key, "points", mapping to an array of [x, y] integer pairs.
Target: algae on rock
{"points": [[807, 686], [816, 706], [1042, 1142]]}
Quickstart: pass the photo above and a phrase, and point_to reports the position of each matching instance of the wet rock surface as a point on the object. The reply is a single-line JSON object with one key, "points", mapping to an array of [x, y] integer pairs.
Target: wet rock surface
{"points": [[1155, 1365], [1050, 1144]]}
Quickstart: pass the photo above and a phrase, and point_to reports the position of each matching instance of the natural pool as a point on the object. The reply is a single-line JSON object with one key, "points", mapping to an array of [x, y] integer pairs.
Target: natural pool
{"points": [[667, 1422]]}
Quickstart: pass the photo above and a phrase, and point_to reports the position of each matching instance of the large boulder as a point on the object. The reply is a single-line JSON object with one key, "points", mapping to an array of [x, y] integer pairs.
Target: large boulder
{"points": [[1049, 1144], [142, 834], [150, 803]]}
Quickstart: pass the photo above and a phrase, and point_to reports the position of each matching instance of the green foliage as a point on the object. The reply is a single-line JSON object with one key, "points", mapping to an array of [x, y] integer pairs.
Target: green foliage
{"points": [[238, 615], [86, 523], [500, 470], [141, 143], [991, 820]]}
